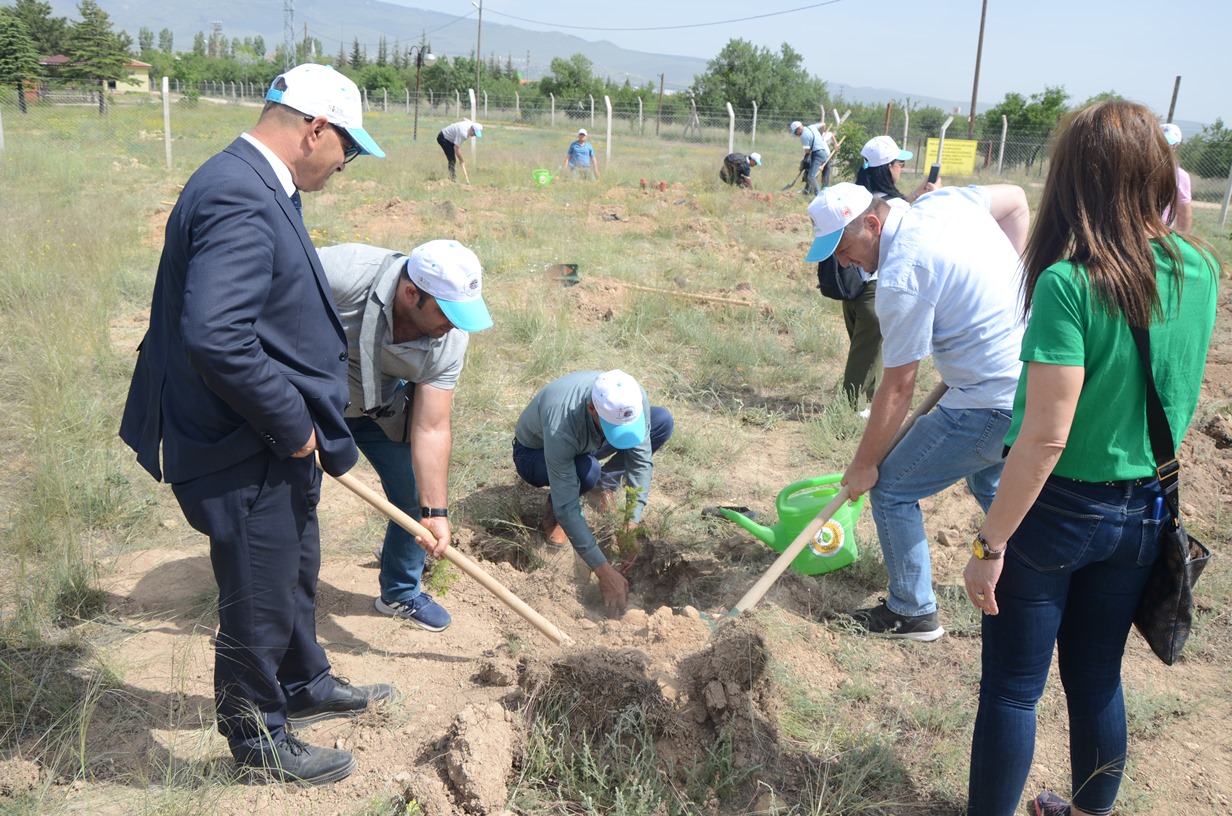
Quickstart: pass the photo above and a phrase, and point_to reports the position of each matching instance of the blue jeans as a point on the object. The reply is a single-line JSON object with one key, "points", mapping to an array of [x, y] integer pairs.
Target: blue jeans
{"points": [[532, 466], [402, 560], [944, 446], [815, 159], [1073, 574]]}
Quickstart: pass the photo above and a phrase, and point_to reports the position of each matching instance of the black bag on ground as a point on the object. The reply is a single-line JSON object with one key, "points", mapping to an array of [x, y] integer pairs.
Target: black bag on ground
{"points": [[839, 282], [1165, 610]]}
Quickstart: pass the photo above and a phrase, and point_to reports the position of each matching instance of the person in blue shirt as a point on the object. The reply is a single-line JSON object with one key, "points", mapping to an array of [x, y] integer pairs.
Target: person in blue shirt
{"points": [[816, 153], [581, 156]]}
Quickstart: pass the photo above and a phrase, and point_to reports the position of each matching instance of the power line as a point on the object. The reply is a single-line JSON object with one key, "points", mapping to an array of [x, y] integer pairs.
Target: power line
{"points": [[325, 37], [667, 28]]}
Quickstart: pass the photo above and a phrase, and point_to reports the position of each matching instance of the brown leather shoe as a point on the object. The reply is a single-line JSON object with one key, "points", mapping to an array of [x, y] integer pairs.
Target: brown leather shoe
{"points": [[553, 532]]}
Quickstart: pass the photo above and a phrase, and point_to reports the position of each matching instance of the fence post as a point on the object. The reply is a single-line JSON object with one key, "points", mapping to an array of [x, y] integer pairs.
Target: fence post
{"points": [[731, 128], [1005, 123], [517, 105], [485, 104], [753, 134], [592, 110], [457, 102], [366, 100], [384, 100], [906, 122], [1223, 213], [470, 93], [408, 100], [607, 103], [641, 127], [167, 120], [553, 108]]}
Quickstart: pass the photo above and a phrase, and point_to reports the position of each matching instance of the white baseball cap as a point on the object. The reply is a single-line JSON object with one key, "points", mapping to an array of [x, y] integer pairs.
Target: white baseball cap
{"points": [[319, 90], [794, 126], [478, 128], [582, 132], [451, 273], [755, 158], [881, 150], [833, 209], [618, 401], [1172, 134]]}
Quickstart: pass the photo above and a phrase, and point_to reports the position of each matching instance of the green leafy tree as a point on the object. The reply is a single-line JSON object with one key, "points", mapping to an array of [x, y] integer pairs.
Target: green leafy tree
{"points": [[199, 44], [258, 47], [1209, 154], [1031, 122], [572, 81], [743, 73], [145, 40], [97, 53], [18, 60], [377, 78], [1101, 97], [166, 41], [49, 35]]}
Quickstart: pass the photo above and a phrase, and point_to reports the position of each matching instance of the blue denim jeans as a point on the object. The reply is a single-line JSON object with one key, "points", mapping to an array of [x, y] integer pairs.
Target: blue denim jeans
{"points": [[402, 560], [1073, 574], [944, 446], [532, 466]]}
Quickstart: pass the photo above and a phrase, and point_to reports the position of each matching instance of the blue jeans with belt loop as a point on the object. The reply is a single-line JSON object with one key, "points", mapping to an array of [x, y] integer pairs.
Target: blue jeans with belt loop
{"points": [[1073, 574]]}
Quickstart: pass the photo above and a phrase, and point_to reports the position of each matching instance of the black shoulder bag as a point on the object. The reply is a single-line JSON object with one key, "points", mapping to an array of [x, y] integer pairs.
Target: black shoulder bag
{"points": [[839, 282], [1166, 609]]}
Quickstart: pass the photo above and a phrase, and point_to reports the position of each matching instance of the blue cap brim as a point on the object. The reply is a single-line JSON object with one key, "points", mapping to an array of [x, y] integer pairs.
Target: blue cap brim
{"points": [[823, 247], [366, 144], [471, 316], [623, 437], [905, 155]]}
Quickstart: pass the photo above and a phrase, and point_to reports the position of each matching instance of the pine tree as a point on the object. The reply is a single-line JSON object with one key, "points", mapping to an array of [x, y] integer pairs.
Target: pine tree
{"points": [[96, 52], [145, 40], [166, 41], [357, 57], [48, 34], [382, 52], [18, 60]]}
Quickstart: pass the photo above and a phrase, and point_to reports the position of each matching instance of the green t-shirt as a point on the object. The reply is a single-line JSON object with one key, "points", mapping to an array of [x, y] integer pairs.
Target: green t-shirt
{"points": [[1068, 326]]}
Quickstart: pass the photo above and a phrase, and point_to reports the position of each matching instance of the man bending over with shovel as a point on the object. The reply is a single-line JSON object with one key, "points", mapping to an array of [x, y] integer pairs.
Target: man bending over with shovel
{"points": [[947, 286], [572, 424], [407, 320]]}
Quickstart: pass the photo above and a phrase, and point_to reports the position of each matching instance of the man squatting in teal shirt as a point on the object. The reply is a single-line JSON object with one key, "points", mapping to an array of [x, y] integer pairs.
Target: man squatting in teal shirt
{"points": [[572, 424]]}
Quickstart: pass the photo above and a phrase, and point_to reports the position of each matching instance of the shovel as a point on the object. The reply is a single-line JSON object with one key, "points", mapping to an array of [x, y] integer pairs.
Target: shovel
{"points": [[453, 556], [793, 182], [935, 170], [754, 595]]}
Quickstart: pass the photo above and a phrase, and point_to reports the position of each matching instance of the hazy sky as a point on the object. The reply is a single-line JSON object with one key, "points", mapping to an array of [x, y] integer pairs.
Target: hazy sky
{"points": [[1135, 47]]}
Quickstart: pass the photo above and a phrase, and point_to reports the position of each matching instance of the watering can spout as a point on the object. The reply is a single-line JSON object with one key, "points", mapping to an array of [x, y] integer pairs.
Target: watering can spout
{"points": [[766, 534]]}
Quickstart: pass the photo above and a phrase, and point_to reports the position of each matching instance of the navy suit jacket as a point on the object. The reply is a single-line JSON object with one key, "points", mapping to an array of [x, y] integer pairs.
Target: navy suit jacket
{"points": [[245, 349]]}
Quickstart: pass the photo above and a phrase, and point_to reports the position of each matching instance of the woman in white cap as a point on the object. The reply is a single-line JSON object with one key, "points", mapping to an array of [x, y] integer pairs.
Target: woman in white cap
{"points": [[883, 165], [581, 156]]}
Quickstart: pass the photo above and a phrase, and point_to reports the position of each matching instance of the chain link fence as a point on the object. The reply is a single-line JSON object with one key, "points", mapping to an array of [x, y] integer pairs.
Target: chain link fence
{"points": [[67, 116]]}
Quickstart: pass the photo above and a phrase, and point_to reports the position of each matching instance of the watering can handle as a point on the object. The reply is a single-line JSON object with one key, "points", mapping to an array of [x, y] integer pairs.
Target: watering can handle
{"points": [[759, 589]]}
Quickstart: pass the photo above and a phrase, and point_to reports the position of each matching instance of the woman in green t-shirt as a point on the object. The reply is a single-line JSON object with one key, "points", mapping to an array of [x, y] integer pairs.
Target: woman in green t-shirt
{"points": [[1071, 537]]}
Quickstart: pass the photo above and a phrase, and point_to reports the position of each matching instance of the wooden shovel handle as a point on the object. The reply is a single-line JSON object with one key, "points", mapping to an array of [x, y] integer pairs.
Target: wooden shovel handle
{"points": [[453, 556], [759, 589]]}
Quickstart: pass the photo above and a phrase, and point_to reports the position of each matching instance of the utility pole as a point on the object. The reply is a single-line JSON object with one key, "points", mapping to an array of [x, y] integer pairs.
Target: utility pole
{"points": [[975, 86], [478, 44], [288, 34], [1176, 89]]}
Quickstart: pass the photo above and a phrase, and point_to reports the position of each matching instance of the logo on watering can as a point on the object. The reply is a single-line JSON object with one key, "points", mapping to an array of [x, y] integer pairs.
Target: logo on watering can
{"points": [[828, 540]]}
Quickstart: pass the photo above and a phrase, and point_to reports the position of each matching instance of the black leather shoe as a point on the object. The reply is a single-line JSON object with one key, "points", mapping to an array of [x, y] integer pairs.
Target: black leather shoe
{"points": [[297, 762], [344, 701]]}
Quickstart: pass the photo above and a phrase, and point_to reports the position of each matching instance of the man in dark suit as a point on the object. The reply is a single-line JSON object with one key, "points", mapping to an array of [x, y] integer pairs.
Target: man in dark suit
{"points": [[242, 377]]}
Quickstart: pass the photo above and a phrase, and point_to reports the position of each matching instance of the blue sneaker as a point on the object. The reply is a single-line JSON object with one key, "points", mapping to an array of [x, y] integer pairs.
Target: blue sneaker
{"points": [[420, 610]]}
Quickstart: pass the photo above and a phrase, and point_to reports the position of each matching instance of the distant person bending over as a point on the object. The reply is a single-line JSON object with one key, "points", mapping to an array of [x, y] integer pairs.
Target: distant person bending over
{"points": [[737, 168], [816, 153], [570, 426], [451, 138], [580, 156], [1183, 221]]}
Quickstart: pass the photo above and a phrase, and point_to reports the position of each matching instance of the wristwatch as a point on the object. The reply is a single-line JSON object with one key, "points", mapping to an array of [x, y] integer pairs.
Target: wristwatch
{"points": [[979, 546], [434, 512]]}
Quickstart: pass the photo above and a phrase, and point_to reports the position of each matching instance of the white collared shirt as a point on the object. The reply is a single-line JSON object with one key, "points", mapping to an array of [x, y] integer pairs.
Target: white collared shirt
{"points": [[279, 166]]}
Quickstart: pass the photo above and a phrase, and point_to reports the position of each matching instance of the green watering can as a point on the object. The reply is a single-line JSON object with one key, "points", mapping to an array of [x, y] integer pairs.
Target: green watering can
{"points": [[834, 545]]}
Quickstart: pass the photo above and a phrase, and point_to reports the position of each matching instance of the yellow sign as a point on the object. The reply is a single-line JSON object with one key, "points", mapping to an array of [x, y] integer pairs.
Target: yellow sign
{"points": [[957, 160]]}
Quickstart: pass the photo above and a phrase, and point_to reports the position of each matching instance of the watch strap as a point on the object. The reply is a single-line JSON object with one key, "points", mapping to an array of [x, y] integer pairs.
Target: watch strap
{"points": [[434, 512]]}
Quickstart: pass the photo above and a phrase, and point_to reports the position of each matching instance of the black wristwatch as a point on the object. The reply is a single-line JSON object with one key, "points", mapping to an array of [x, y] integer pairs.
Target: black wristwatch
{"points": [[979, 546], [434, 512]]}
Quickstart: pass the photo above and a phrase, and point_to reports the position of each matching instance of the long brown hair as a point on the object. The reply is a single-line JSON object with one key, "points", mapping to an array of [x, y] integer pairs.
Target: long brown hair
{"points": [[1111, 179]]}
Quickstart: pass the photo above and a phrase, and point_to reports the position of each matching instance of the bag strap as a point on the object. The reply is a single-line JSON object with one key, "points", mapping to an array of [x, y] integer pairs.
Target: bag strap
{"points": [[1167, 468]]}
